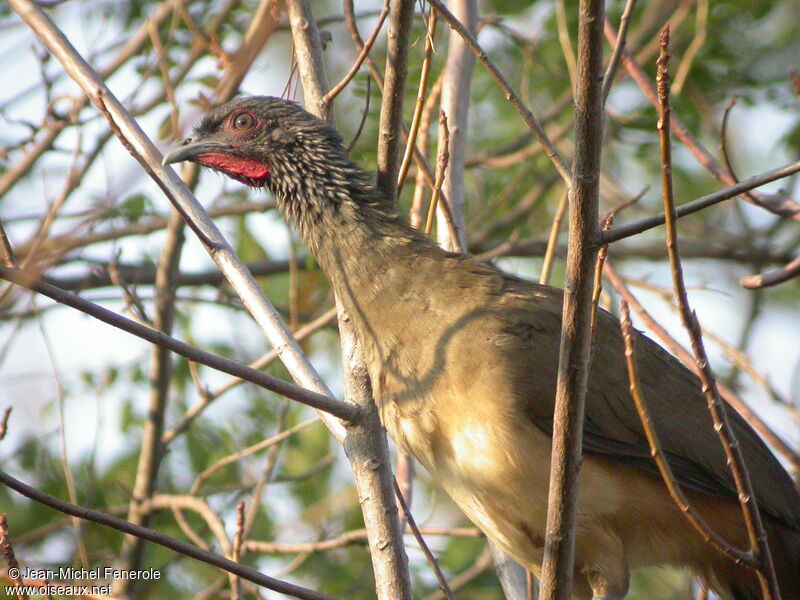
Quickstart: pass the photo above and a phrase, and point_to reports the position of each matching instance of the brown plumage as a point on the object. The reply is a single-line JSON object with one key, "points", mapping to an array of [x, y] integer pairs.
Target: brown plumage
{"points": [[463, 360]]}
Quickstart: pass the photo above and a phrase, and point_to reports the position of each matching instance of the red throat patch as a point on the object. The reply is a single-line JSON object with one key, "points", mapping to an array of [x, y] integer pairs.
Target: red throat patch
{"points": [[236, 165]]}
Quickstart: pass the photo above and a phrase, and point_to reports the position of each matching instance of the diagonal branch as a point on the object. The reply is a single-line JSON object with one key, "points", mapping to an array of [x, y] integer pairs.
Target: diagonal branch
{"points": [[314, 399], [631, 229], [166, 541], [527, 116], [779, 205], [140, 146]]}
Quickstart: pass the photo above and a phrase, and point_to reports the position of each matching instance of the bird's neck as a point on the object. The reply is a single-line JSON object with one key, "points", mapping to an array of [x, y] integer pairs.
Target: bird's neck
{"points": [[365, 248]]}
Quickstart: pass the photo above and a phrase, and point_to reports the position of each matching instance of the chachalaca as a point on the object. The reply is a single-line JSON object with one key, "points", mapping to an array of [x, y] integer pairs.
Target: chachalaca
{"points": [[462, 359]]}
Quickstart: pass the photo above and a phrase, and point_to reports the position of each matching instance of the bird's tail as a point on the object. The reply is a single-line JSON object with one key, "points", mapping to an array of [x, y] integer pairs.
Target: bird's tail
{"points": [[785, 549]]}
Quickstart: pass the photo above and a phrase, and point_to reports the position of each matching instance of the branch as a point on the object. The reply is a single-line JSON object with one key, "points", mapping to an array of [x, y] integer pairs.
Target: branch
{"points": [[619, 48], [456, 79], [419, 104], [365, 444], [310, 60], [7, 552], [781, 206], [574, 355], [412, 525], [342, 410], [697, 521], [624, 231], [336, 90], [790, 271], [209, 558], [752, 518], [401, 19], [138, 144], [527, 116]]}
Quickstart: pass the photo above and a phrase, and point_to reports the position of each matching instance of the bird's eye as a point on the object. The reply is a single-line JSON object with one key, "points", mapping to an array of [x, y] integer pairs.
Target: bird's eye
{"points": [[244, 121]]}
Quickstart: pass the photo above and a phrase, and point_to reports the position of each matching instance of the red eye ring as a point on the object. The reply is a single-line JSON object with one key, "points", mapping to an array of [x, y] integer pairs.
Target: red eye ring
{"points": [[243, 121]]}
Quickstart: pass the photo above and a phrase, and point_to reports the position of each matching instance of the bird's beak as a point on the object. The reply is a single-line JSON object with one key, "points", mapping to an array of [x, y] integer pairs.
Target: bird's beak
{"points": [[191, 149]]}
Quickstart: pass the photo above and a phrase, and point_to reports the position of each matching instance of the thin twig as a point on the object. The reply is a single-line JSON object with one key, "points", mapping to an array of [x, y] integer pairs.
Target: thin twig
{"points": [[441, 165], [7, 552], [336, 90], [527, 116], [552, 240], [762, 280], [166, 541], [319, 401], [656, 452], [418, 213], [4, 422], [419, 105], [744, 488], [267, 443], [412, 524], [8, 258], [619, 48], [598, 275], [236, 585], [701, 21]]}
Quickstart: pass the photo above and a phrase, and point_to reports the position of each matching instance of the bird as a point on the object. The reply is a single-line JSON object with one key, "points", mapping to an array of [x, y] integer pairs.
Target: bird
{"points": [[463, 357]]}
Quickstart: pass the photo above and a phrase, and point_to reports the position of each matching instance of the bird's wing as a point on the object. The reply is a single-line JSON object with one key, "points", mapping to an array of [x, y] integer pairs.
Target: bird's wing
{"points": [[532, 320]]}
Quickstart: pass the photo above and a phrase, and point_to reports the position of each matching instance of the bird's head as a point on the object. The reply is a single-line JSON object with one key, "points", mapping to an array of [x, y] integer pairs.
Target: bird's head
{"points": [[261, 141]]}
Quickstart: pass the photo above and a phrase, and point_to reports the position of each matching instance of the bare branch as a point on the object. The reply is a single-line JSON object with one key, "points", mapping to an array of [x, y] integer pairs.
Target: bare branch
{"points": [[391, 119], [456, 79], [412, 524], [419, 104], [574, 355], [527, 116], [7, 552], [314, 399], [214, 560], [336, 90], [697, 521], [624, 231], [752, 518], [686, 358], [148, 156], [310, 60], [790, 271], [619, 48]]}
